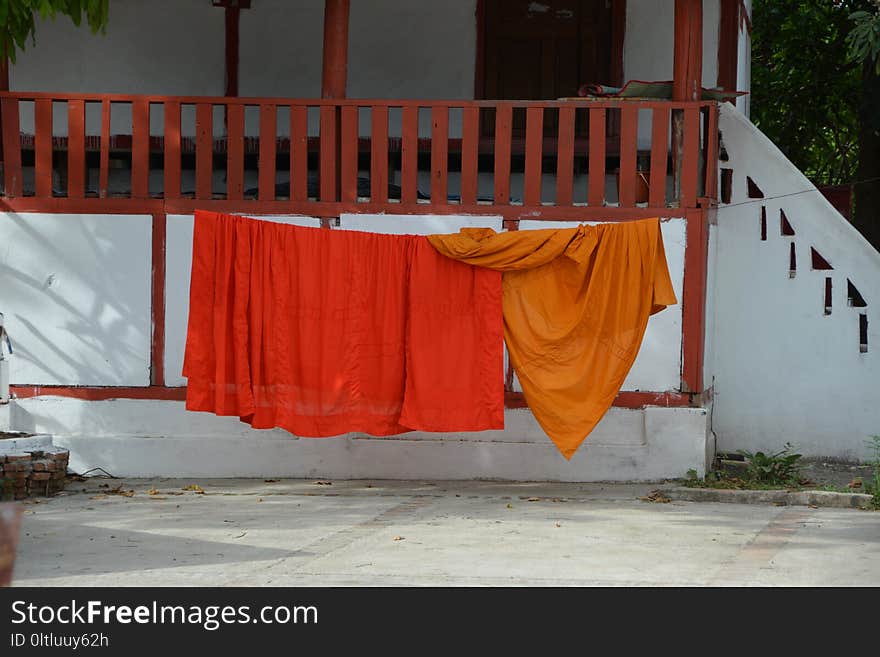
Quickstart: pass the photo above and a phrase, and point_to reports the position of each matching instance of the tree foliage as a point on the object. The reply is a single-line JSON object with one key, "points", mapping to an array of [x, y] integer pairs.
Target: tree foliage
{"points": [[805, 90], [18, 19]]}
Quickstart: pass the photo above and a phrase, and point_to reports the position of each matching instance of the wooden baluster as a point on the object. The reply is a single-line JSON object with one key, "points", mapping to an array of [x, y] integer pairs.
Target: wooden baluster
{"points": [[266, 166], [171, 143], [299, 153], [565, 157], [379, 155], [11, 148], [629, 130], [534, 155], [659, 157], [503, 128], [470, 144], [140, 148], [409, 155], [204, 150], [234, 151], [76, 149], [711, 163], [328, 153], [43, 148], [690, 157], [439, 155], [596, 185], [104, 163], [349, 150]]}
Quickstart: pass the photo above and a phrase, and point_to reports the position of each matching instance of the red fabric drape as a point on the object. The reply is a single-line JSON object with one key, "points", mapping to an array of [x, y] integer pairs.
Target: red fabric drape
{"points": [[323, 332]]}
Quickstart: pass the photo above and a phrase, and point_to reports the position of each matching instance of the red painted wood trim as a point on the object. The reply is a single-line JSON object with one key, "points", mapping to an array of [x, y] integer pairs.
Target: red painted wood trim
{"points": [[11, 148], [711, 164], [266, 166], [439, 155], [659, 141], [596, 184], [76, 149], [349, 153], [470, 143], [326, 209], [4, 86], [565, 157], [379, 155], [534, 155], [204, 152], [328, 153], [234, 152], [232, 20], [690, 158], [503, 128], [728, 44], [253, 101], [94, 393], [157, 344], [104, 158], [172, 150], [687, 64], [409, 154], [625, 399], [299, 154], [43, 148], [694, 300], [628, 145], [335, 50], [140, 149]]}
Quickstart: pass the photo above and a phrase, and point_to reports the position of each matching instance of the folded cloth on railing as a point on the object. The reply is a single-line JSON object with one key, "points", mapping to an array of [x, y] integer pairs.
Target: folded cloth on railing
{"points": [[323, 332], [576, 303], [645, 89]]}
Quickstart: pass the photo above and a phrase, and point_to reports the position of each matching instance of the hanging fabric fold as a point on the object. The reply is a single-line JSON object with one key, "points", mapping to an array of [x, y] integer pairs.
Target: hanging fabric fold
{"points": [[576, 303], [324, 332]]}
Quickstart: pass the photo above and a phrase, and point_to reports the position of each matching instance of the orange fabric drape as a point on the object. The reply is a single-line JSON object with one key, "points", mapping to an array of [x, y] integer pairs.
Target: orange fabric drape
{"points": [[576, 303], [323, 332]]}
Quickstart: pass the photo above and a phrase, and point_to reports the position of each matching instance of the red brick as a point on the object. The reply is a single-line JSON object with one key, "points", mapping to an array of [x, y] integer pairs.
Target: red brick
{"points": [[41, 476]]}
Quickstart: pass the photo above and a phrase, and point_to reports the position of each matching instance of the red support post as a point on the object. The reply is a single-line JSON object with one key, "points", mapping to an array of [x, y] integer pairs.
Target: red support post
{"points": [[687, 61], [335, 57]]}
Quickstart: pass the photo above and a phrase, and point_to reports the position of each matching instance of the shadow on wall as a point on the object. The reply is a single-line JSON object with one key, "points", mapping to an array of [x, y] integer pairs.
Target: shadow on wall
{"points": [[76, 294]]}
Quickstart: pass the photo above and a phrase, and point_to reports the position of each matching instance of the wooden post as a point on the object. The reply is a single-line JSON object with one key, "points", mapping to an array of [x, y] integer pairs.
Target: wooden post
{"points": [[728, 43], [687, 69], [335, 72], [4, 86], [233, 13]]}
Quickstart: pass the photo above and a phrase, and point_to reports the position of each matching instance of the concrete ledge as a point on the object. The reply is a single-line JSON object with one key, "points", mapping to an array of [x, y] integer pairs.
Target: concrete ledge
{"points": [[25, 443], [778, 497]]}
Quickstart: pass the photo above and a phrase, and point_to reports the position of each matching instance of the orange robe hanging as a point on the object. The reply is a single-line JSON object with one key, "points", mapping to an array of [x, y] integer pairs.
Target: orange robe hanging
{"points": [[576, 303], [323, 332]]}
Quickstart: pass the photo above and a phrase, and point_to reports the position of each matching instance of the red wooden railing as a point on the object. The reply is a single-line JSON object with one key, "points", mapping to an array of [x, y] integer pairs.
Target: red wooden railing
{"points": [[349, 136]]}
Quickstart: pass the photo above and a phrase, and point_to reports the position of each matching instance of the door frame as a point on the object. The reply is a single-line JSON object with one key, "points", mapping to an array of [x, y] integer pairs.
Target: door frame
{"points": [[618, 33]]}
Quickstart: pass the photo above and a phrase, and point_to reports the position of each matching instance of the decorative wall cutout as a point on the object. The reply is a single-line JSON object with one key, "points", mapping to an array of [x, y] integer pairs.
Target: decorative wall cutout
{"points": [[863, 333], [726, 185], [754, 190], [828, 295], [819, 263], [785, 225], [792, 263], [853, 296], [763, 224]]}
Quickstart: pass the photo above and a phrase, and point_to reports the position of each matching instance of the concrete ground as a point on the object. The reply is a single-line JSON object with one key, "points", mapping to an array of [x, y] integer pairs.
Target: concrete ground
{"points": [[297, 532]]}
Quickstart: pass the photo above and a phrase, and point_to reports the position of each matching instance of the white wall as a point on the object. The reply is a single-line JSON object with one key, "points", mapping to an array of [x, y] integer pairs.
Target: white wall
{"points": [[784, 371], [75, 292]]}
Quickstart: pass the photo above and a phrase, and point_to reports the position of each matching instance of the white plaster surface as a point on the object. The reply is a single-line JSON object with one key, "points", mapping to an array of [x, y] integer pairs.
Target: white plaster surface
{"points": [[161, 438], [178, 267], [783, 370], [76, 298], [416, 224]]}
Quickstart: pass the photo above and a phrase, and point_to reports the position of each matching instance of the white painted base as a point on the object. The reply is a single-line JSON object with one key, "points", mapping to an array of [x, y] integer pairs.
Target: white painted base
{"points": [[139, 438]]}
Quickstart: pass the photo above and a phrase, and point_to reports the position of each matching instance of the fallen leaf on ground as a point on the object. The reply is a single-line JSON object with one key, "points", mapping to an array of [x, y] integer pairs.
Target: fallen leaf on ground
{"points": [[271, 481], [655, 496], [152, 491], [559, 524], [534, 499], [259, 499], [195, 488], [510, 506], [324, 483], [119, 491], [240, 535], [98, 497], [813, 506], [855, 483], [398, 538]]}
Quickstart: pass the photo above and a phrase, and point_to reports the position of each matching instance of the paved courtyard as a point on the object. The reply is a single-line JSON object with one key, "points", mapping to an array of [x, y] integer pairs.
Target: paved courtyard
{"points": [[298, 532]]}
